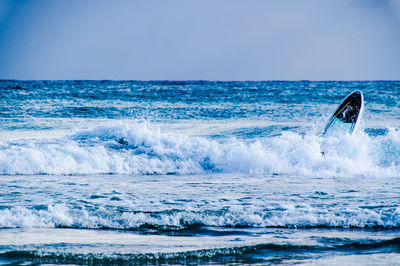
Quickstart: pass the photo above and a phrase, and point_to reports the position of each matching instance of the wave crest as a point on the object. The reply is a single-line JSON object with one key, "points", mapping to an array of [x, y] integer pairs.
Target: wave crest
{"points": [[139, 149], [61, 215]]}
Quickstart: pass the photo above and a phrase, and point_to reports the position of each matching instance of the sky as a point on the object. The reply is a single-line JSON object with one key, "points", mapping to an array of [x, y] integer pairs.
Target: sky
{"points": [[200, 39]]}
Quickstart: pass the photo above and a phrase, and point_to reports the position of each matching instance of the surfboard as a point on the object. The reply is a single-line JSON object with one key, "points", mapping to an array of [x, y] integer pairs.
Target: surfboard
{"points": [[347, 116]]}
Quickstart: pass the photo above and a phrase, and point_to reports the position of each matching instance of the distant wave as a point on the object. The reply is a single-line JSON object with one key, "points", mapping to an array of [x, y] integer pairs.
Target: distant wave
{"points": [[138, 149]]}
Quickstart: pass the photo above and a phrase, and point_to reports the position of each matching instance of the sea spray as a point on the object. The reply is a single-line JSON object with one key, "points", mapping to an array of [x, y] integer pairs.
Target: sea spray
{"points": [[137, 148]]}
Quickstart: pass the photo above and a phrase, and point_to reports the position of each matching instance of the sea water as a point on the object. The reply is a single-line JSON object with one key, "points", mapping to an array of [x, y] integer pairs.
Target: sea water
{"points": [[120, 172]]}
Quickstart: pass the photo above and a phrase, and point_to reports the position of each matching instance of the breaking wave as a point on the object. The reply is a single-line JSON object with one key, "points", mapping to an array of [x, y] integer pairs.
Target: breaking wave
{"points": [[140, 149], [61, 215]]}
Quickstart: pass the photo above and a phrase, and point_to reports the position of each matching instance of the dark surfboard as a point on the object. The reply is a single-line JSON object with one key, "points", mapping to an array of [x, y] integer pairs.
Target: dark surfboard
{"points": [[347, 116]]}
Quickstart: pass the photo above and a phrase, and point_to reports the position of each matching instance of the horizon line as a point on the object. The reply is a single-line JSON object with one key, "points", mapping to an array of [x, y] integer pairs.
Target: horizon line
{"points": [[201, 80]]}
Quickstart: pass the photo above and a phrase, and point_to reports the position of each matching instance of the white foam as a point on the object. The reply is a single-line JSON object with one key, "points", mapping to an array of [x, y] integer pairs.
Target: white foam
{"points": [[62, 215], [140, 149]]}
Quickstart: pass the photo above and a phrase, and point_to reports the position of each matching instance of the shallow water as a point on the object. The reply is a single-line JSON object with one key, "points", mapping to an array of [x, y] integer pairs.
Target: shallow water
{"points": [[98, 172]]}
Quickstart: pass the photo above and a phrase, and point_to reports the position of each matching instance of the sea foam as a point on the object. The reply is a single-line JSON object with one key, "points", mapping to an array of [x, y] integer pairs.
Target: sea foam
{"points": [[140, 149], [61, 215]]}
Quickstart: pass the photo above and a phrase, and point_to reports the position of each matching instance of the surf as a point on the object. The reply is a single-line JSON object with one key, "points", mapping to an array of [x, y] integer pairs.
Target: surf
{"points": [[136, 148]]}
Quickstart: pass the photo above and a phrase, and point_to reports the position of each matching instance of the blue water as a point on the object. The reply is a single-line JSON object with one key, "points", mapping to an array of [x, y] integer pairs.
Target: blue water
{"points": [[178, 172]]}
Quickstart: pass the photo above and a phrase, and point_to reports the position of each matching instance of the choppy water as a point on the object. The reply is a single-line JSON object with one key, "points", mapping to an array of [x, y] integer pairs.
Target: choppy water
{"points": [[99, 172]]}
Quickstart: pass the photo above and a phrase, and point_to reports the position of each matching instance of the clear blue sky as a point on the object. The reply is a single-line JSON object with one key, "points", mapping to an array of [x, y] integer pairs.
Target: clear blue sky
{"points": [[203, 39]]}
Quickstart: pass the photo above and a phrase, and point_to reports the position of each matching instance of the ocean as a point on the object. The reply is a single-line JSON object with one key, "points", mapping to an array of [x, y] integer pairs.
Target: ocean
{"points": [[197, 172]]}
